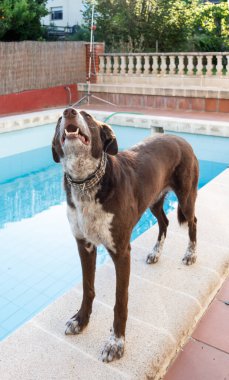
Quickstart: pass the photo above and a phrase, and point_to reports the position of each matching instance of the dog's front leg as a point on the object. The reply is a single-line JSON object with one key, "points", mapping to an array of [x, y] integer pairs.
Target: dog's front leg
{"points": [[114, 348], [80, 320]]}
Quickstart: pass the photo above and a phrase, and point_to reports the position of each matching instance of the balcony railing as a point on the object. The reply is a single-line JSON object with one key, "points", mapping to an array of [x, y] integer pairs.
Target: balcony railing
{"points": [[162, 64]]}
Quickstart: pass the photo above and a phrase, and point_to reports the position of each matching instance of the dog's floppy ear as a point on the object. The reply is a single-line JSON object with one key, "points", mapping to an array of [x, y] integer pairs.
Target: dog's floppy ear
{"points": [[110, 144], [57, 152]]}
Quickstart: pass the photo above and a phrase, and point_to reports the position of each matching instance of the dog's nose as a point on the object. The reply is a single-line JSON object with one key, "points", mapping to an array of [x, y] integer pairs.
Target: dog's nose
{"points": [[69, 113]]}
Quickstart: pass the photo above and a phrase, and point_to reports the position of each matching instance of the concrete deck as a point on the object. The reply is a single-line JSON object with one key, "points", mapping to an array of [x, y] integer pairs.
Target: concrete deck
{"points": [[165, 302]]}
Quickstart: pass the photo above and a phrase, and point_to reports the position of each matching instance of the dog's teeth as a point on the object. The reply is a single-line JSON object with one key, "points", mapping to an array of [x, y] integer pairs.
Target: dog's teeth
{"points": [[72, 133]]}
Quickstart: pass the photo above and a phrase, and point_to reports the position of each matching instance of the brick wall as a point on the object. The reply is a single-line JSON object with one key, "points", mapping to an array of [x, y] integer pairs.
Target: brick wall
{"points": [[32, 65], [98, 49]]}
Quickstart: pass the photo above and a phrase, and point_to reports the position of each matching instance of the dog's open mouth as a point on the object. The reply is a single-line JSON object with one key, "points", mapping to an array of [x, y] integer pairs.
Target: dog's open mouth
{"points": [[73, 132]]}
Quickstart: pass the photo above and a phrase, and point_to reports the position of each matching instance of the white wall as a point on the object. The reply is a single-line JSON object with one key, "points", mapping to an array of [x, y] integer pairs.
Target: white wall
{"points": [[71, 12]]}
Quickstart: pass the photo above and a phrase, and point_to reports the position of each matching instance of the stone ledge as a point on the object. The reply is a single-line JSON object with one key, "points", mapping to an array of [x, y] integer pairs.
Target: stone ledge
{"points": [[167, 81], [159, 90]]}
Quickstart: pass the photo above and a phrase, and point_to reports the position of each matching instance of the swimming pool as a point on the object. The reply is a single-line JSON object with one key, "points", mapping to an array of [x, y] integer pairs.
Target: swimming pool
{"points": [[37, 248]]}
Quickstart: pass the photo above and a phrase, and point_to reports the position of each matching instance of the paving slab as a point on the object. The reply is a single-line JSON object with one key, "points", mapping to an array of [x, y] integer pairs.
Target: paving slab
{"points": [[199, 361], [33, 353], [165, 302]]}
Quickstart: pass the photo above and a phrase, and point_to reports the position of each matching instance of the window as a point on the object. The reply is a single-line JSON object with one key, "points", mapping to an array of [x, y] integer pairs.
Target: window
{"points": [[57, 13]]}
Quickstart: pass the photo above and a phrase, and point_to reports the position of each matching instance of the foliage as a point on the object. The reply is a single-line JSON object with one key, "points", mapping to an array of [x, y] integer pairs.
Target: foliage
{"points": [[211, 27], [81, 33], [173, 25], [20, 19]]}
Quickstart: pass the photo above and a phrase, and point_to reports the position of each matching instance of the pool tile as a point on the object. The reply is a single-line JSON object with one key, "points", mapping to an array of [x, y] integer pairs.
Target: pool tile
{"points": [[6, 280], [15, 320], [16, 291], [26, 297], [41, 300], [59, 287], [7, 311], [3, 302], [3, 333], [35, 277], [42, 285], [71, 277], [200, 362], [213, 327]]}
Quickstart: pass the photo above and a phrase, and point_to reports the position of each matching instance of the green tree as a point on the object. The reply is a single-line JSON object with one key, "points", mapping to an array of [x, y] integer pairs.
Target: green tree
{"points": [[173, 25], [20, 19], [210, 30]]}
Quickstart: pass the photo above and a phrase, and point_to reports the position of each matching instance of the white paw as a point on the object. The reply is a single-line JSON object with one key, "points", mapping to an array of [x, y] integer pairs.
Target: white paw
{"points": [[190, 255], [152, 258], [189, 259], [113, 349], [72, 327]]}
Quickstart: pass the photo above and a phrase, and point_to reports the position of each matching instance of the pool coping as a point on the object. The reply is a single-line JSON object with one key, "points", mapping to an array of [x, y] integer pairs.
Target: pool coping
{"points": [[156, 123], [166, 301]]}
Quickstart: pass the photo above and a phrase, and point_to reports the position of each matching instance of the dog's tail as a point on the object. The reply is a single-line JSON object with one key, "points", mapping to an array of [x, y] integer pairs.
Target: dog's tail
{"points": [[180, 216]]}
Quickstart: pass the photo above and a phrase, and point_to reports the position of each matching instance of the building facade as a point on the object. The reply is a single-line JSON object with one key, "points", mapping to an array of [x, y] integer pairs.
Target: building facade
{"points": [[63, 13]]}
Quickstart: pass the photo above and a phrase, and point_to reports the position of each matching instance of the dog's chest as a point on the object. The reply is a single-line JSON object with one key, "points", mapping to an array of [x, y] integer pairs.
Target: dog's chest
{"points": [[89, 221]]}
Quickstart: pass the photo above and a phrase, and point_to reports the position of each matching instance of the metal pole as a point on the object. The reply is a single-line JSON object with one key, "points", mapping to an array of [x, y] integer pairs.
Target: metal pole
{"points": [[91, 47], [89, 95]]}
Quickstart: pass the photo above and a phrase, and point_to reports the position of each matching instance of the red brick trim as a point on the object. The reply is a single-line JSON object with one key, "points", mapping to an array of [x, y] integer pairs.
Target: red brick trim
{"points": [[33, 100], [166, 102]]}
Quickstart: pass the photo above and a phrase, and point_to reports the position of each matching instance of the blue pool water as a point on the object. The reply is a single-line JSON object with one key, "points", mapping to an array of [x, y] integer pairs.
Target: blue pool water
{"points": [[37, 249]]}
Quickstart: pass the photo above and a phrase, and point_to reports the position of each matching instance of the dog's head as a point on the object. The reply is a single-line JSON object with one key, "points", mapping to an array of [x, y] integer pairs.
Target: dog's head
{"points": [[78, 134]]}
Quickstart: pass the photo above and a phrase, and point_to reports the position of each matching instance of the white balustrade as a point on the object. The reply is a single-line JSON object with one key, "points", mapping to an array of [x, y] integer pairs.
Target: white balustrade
{"points": [[172, 65], [123, 65], [209, 65], [219, 65], [155, 65], [138, 69], [190, 65], [102, 65], [131, 65], [163, 65], [152, 64], [180, 68], [199, 65], [108, 65], [116, 65], [147, 65]]}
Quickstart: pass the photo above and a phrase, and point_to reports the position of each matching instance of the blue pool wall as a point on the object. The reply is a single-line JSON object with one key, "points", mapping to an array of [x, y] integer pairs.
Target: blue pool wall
{"points": [[208, 148], [13, 163]]}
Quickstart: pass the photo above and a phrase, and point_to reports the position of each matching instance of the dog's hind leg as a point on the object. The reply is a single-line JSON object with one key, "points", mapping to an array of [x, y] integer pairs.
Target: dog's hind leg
{"points": [[158, 212], [185, 187], [186, 213], [80, 320]]}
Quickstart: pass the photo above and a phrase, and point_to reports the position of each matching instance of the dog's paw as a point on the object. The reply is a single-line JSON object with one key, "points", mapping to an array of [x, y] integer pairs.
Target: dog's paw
{"points": [[189, 259], [152, 258], [190, 255], [72, 327], [113, 349]]}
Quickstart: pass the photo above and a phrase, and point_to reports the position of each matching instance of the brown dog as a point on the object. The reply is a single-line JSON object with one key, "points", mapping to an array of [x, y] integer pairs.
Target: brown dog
{"points": [[107, 192]]}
